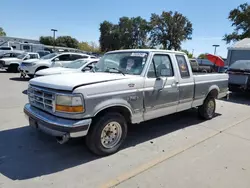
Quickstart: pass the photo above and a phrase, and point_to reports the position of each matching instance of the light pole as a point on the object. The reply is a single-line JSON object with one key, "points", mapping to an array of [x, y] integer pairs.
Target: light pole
{"points": [[215, 46], [54, 36], [192, 52]]}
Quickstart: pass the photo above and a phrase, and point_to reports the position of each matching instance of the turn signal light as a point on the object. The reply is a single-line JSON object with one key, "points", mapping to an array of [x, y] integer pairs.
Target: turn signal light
{"points": [[63, 108]]}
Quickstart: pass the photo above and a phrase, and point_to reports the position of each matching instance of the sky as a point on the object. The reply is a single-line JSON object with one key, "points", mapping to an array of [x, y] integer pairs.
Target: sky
{"points": [[81, 18]]}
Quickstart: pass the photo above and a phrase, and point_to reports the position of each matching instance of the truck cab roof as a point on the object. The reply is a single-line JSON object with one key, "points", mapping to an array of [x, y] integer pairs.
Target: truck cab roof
{"points": [[147, 50]]}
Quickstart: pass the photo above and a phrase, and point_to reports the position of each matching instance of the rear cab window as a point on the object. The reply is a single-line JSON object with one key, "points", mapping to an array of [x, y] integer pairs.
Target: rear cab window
{"points": [[183, 66]]}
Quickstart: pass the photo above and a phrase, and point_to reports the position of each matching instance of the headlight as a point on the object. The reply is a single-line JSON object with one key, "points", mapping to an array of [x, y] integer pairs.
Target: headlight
{"points": [[70, 104], [28, 64]]}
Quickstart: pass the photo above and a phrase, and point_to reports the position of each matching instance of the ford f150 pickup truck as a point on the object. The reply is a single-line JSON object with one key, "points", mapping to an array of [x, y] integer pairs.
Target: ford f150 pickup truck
{"points": [[125, 87]]}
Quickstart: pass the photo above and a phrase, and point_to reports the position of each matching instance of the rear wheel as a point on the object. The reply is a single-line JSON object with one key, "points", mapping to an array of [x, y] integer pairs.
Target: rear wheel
{"points": [[207, 110], [107, 134]]}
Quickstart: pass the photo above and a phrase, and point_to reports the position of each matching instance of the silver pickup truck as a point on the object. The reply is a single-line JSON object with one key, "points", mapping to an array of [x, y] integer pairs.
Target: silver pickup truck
{"points": [[125, 87]]}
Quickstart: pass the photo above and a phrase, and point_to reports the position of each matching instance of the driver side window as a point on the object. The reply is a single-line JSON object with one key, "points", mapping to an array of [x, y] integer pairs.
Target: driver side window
{"points": [[160, 62]]}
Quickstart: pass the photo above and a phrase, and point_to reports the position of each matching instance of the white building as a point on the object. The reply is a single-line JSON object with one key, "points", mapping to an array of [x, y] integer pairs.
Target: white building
{"points": [[30, 45]]}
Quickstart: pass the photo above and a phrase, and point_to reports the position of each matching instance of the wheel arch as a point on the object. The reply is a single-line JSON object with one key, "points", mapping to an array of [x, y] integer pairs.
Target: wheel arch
{"points": [[41, 67], [213, 91], [120, 108]]}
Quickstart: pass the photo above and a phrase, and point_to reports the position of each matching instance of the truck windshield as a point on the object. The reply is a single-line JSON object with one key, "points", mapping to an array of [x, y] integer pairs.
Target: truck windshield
{"points": [[49, 56], [122, 62], [21, 56], [76, 64], [241, 65]]}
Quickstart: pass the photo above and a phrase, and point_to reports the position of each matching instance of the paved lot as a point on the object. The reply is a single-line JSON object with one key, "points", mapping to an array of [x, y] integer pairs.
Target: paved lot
{"points": [[174, 151]]}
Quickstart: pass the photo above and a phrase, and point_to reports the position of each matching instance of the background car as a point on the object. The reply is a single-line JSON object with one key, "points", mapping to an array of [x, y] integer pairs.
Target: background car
{"points": [[80, 65], [50, 60], [239, 76]]}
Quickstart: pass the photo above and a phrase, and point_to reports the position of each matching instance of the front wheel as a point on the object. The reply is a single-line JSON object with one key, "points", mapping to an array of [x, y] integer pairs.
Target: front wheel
{"points": [[107, 134], [207, 110]]}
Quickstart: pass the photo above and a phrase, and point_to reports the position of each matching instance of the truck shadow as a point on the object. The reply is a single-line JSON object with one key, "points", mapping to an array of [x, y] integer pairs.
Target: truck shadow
{"points": [[239, 98], [26, 153], [18, 79]]}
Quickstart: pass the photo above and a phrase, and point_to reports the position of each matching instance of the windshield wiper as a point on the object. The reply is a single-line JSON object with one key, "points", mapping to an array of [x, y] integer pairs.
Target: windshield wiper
{"points": [[118, 70]]}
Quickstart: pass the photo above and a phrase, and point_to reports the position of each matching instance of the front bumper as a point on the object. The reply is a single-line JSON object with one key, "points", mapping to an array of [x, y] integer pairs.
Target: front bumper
{"points": [[224, 94], [56, 126], [26, 69]]}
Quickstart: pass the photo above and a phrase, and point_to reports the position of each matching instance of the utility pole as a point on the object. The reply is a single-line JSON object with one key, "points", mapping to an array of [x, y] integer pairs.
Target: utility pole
{"points": [[54, 37], [215, 46], [192, 52]]}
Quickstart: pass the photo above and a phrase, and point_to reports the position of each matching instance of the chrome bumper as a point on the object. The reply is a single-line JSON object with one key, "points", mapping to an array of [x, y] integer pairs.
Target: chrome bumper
{"points": [[224, 94], [56, 126]]}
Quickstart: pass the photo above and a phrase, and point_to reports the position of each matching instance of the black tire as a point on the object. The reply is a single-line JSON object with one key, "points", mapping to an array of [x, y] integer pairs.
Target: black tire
{"points": [[13, 69], [206, 111], [9, 69], [93, 139]]}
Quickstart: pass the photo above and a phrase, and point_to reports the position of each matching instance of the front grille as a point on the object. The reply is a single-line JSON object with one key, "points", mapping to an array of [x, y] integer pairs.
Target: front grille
{"points": [[41, 98]]}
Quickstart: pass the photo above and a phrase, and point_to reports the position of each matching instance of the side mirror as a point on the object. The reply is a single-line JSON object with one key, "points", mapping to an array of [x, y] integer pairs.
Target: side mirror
{"points": [[88, 67], [56, 59]]}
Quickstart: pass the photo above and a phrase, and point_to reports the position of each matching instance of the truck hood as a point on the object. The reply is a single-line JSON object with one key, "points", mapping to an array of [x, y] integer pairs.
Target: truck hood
{"points": [[70, 81], [11, 59], [56, 70]]}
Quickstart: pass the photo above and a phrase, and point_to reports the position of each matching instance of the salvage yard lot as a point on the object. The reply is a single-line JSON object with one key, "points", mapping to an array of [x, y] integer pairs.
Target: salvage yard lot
{"points": [[174, 151]]}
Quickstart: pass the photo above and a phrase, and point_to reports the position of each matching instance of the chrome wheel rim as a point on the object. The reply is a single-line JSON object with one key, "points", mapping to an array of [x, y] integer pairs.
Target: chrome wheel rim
{"points": [[210, 108], [111, 135]]}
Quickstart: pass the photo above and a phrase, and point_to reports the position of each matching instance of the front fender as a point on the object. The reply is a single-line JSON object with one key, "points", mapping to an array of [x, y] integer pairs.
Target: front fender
{"points": [[112, 103], [14, 63]]}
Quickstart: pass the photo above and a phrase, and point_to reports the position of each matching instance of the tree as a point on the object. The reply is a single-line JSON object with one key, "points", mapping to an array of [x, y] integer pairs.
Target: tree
{"points": [[67, 41], [128, 33], [109, 38], [133, 32], [89, 47], [2, 33], [140, 30], [202, 56], [240, 18], [190, 55], [170, 30], [47, 40]]}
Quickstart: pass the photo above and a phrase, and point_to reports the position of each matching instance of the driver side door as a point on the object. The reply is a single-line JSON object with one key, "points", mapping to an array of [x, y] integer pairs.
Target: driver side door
{"points": [[161, 91], [61, 60]]}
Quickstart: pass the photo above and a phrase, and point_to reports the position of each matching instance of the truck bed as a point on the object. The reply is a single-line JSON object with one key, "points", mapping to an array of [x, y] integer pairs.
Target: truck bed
{"points": [[205, 82], [203, 73]]}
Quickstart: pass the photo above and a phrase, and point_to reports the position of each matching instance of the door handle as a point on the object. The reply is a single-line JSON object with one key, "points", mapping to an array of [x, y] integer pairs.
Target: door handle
{"points": [[175, 83]]}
